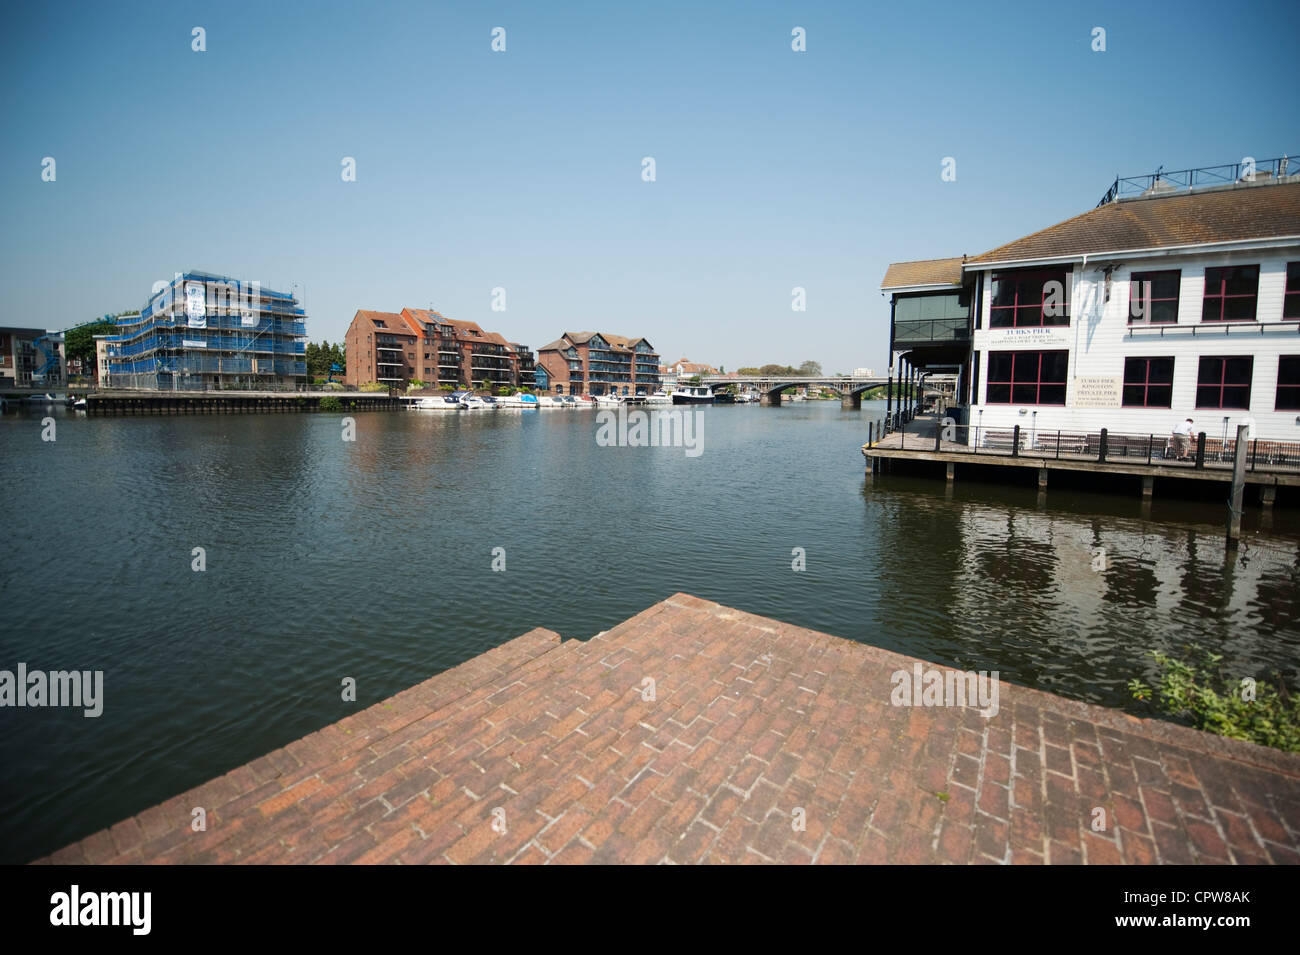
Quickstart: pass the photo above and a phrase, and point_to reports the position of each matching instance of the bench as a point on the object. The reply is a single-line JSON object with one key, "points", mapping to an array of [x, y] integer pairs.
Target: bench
{"points": [[1002, 440]]}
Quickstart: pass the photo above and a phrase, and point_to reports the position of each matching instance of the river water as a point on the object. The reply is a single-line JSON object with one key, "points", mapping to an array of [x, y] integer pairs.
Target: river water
{"points": [[373, 559]]}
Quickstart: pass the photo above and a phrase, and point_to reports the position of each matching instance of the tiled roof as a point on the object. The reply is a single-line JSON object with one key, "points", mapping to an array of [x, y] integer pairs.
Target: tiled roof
{"points": [[1237, 213], [392, 323], [924, 272]]}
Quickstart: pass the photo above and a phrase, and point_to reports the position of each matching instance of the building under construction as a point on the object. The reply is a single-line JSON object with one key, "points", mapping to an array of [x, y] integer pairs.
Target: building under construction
{"points": [[204, 331]]}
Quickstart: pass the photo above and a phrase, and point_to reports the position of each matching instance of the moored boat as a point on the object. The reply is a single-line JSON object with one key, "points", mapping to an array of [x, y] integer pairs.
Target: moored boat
{"points": [[693, 395], [433, 403]]}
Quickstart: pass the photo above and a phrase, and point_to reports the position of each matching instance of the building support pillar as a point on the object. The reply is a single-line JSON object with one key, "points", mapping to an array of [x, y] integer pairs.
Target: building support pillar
{"points": [[1148, 486], [1042, 479], [851, 401], [1267, 495], [951, 472]]}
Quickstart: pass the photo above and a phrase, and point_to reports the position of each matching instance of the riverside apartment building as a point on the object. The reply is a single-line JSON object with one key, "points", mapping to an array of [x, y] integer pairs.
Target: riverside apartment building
{"points": [[598, 363], [416, 344], [1177, 296]]}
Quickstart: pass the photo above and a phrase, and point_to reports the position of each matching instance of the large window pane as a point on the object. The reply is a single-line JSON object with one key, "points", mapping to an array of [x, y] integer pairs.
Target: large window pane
{"points": [[1237, 371], [1000, 366], [1024, 394], [1054, 366]]}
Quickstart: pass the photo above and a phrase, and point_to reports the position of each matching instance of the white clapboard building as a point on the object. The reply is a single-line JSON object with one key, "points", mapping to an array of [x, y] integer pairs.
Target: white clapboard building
{"points": [[1180, 301]]}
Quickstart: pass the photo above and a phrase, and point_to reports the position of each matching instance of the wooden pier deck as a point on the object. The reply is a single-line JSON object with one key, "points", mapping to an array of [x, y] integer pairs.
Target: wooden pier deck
{"points": [[761, 742], [916, 443]]}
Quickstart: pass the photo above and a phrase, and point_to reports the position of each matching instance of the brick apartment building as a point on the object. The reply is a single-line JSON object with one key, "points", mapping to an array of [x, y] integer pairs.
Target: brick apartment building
{"points": [[598, 363], [395, 348]]}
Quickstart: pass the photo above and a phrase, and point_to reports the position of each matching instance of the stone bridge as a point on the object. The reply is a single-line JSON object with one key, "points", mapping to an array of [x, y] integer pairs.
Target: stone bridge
{"points": [[769, 387]]}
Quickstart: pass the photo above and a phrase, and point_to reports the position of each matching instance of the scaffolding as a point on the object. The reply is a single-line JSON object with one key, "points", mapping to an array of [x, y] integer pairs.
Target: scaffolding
{"points": [[243, 336]]}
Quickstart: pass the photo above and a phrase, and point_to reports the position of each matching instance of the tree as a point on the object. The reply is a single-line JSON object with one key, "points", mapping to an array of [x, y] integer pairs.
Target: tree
{"points": [[810, 369], [79, 342]]}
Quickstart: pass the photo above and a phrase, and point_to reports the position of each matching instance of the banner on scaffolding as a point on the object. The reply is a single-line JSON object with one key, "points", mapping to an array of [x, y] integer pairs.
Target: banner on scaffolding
{"points": [[196, 305]]}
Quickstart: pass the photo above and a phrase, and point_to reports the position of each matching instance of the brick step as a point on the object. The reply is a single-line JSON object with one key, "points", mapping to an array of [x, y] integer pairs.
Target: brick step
{"points": [[163, 832]]}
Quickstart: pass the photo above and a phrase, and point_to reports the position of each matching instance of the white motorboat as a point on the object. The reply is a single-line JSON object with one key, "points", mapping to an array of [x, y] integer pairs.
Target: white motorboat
{"points": [[433, 403], [475, 403], [746, 398], [518, 400], [659, 398], [549, 402], [607, 401]]}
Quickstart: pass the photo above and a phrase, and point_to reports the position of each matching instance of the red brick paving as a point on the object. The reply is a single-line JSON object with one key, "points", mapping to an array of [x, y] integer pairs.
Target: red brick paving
{"points": [[754, 723]]}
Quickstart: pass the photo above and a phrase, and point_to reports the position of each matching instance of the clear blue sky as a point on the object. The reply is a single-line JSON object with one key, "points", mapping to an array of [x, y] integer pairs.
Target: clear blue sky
{"points": [[522, 169]]}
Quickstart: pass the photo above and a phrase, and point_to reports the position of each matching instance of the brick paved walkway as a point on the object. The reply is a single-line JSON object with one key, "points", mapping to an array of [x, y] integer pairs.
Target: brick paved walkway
{"points": [[752, 720]]}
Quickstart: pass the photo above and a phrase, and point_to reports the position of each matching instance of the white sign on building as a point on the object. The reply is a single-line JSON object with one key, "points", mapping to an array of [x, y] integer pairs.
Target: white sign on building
{"points": [[196, 305], [1097, 391]]}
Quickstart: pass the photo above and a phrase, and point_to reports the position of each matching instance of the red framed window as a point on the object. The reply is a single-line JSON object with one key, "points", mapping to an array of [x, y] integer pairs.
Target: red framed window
{"points": [[1230, 294], [1027, 377], [1032, 299], [1224, 382], [1153, 297], [1288, 383], [1291, 300], [1148, 383]]}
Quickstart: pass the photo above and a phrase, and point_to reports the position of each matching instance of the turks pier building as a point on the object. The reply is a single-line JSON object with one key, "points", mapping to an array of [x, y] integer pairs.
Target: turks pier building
{"points": [[1174, 298], [205, 331]]}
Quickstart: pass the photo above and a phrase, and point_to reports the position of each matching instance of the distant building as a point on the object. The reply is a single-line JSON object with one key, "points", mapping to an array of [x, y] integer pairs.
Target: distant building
{"points": [[210, 331], [598, 363], [416, 344], [31, 358], [863, 373], [101, 360], [689, 369]]}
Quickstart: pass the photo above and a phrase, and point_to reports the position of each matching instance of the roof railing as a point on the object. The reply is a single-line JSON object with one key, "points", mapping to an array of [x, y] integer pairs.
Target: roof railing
{"points": [[1247, 170]]}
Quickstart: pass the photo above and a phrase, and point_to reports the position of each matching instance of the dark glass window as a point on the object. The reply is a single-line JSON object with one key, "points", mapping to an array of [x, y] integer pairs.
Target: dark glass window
{"points": [[975, 379], [1291, 300], [1153, 297], [1030, 299], [1230, 294], [1027, 377], [1288, 383], [1224, 382], [1148, 382]]}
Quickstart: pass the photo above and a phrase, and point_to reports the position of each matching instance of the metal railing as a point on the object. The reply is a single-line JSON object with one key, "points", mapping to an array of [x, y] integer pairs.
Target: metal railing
{"points": [[1262, 169], [1103, 446]]}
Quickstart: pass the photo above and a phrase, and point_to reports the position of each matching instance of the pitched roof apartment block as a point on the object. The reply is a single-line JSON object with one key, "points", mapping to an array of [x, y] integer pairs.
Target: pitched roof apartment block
{"points": [[395, 348], [598, 363]]}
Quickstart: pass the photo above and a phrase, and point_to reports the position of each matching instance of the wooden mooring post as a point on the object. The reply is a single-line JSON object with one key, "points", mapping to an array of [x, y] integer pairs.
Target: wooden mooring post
{"points": [[1238, 486]]}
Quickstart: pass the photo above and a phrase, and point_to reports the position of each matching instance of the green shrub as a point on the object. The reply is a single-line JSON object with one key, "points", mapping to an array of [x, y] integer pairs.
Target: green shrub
{"points": [[374, 386], [330, 403], [1194, 688]]}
